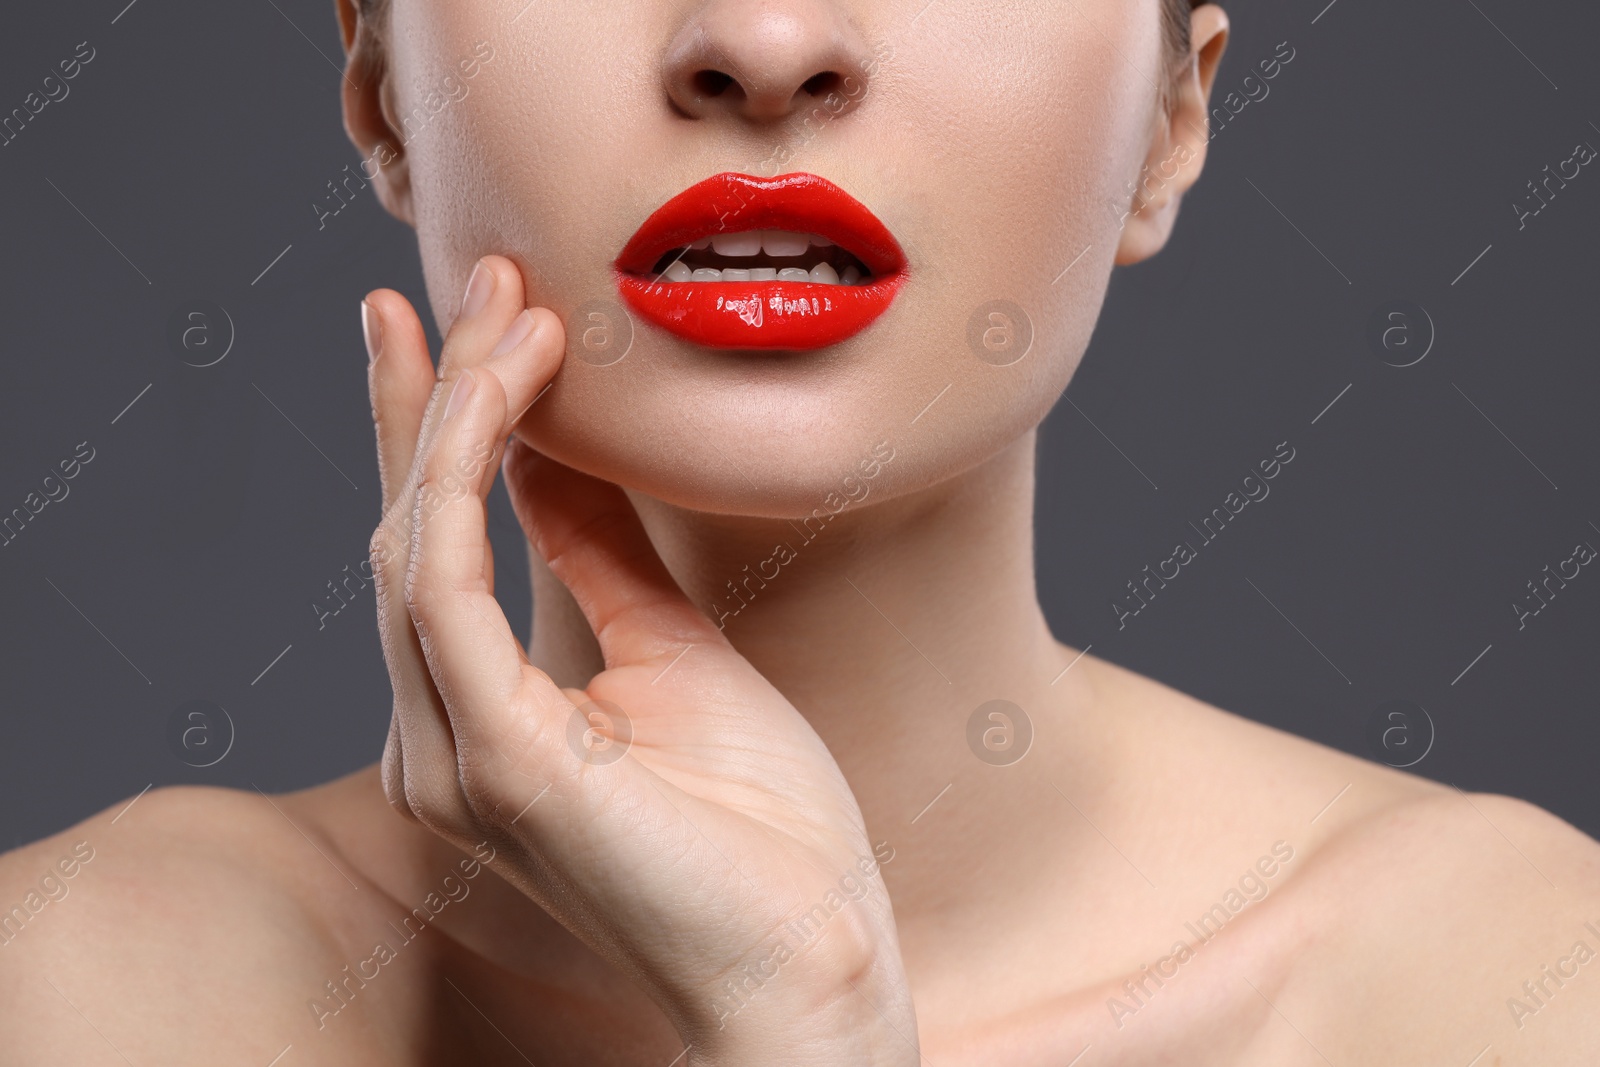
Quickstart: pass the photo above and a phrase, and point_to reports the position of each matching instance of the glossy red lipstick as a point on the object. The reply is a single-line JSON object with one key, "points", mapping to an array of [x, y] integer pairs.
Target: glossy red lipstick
{"points": [[734, 212]]}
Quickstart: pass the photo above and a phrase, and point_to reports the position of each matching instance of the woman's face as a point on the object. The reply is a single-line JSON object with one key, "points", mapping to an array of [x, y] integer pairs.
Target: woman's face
{"points": [[998, 143]]}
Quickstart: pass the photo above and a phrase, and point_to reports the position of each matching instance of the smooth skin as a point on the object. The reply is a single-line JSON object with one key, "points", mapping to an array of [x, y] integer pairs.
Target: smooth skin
{"points": [[588, 910]]}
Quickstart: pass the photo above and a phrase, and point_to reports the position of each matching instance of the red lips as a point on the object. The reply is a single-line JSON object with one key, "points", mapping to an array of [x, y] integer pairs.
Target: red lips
{"points": [[773, 314]]}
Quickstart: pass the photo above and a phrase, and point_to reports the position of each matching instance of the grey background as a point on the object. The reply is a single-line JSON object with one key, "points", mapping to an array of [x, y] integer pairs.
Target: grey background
{"points": [[187, 555]]}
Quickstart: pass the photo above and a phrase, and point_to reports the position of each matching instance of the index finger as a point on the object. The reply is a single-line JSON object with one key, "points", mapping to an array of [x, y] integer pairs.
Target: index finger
{"points": [[400, 380]]}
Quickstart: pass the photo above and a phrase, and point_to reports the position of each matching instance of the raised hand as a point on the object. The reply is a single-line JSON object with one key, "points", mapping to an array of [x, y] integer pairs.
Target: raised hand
{"points": [[677, 814]]}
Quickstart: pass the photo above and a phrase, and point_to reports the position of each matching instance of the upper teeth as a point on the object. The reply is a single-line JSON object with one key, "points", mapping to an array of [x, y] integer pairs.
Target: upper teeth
{"points": [[778, 244], [754, 242]]}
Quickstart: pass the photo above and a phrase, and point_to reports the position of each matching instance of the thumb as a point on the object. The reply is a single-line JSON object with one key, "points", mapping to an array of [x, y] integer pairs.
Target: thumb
{"points": [[590, 536]]}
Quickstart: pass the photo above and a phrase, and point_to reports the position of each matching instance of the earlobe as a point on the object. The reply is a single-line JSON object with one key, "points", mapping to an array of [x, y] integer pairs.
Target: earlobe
{"points": [[369, 118], [1178, 147]]}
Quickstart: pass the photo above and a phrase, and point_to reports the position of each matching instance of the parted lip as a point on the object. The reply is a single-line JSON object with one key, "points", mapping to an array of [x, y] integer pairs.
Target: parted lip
{"points": [[733, 202]]}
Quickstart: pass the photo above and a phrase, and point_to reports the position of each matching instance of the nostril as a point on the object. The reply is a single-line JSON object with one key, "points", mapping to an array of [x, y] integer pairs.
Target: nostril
{"points": [[711, 82], [822, 84], [760, 61]]}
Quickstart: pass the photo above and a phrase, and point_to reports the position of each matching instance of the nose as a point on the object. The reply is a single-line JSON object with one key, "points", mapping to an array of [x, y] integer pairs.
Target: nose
{"points": [[763, 60]]}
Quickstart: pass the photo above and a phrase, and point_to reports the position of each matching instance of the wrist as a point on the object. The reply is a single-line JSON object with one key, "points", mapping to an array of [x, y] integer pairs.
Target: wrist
{"points": [[839, 1009]]}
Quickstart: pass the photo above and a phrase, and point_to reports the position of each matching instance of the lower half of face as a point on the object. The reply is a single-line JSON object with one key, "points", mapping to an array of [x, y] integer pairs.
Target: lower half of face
{"points": [[993, 142]]}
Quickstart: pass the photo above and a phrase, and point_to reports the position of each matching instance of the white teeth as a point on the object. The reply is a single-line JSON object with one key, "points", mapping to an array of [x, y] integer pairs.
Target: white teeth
{"points": [[754, 242], [737, 244], [774, 244], [784, 243]]}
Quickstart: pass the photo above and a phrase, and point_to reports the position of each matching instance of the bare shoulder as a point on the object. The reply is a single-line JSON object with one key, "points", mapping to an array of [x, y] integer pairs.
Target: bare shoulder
{"points": [[1467, 922], [1417, 922], [186, 919]]}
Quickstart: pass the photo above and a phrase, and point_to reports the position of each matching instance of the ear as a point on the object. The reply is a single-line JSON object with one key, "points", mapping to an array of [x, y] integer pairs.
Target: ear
{"points": [[369, 115], [1178, 149]]}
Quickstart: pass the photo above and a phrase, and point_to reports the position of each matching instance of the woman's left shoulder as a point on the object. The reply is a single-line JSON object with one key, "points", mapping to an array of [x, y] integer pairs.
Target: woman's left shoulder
{"points": [[1466, 921]]}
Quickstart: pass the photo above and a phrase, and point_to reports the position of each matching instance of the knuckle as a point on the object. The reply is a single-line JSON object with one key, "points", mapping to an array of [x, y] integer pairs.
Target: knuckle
{"points": [[417, 590], [495, 801], [499, 774], [530, 749], [485, 799], [382, 549], [394, 789], [440, 810]]}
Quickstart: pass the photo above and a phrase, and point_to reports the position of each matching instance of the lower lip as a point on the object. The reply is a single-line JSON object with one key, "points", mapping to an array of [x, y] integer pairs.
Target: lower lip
{"points": [[759, 315]]}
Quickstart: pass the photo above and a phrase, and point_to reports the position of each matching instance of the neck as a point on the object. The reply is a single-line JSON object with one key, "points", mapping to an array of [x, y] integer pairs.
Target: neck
{"points": [[887, 626]]}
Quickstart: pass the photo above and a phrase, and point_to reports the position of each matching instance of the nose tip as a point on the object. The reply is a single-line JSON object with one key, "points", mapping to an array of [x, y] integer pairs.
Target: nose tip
{"points": [[763, 60]]}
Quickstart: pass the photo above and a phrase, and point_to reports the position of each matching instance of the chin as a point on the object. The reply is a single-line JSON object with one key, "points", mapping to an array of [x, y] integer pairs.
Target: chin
{"points": [[738, 462], [773, 435]]}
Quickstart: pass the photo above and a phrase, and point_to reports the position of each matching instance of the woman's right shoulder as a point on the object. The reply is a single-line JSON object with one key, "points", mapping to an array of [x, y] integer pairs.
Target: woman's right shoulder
{"points": [[183, 915], [152, 846]]}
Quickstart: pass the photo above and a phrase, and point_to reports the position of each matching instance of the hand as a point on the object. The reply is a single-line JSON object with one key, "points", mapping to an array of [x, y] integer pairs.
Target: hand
{"points": [[678, 815]]}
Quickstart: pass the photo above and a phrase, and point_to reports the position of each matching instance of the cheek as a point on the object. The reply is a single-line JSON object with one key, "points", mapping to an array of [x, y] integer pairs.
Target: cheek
{"points": [[533, 162], [1016, 148]]}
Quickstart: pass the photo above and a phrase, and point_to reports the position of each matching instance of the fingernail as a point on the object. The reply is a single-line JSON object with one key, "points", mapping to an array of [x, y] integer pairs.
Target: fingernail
{"points": [[458, 395], [372, 330], [515, 334], [479, 288]]}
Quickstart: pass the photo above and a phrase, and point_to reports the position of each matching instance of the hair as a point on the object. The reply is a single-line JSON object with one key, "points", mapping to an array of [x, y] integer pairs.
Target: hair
{"points": [[1174, 26], [1175, 34], [369, 31]]}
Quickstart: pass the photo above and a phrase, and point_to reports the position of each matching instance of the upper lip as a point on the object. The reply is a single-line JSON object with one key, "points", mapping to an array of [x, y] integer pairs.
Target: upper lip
{"points": [[733, 203]]}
